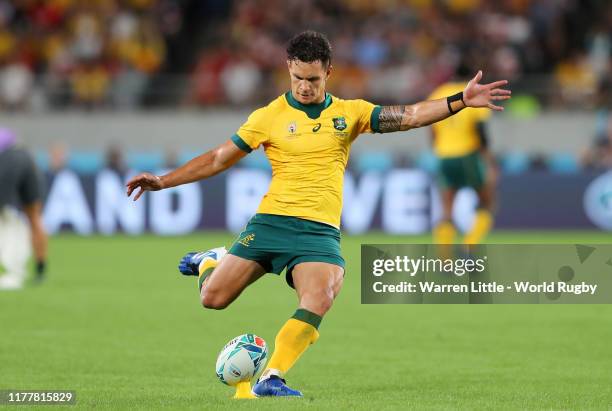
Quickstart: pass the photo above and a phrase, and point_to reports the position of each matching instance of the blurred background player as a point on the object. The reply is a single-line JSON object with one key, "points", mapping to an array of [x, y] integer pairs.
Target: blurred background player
{"points": [[461, 144], [20, 188]]}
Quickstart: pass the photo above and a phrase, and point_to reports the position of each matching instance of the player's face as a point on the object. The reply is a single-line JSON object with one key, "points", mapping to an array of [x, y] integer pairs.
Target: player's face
{"points": [[308, 80]]}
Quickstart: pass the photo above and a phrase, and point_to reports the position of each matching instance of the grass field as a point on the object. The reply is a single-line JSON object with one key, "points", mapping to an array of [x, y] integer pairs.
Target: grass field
{"points": [[116, 323]]}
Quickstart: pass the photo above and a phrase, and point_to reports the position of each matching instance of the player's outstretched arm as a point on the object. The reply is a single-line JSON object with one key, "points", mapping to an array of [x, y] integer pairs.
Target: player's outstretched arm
{"points": [[424, 113], [206, 165]]}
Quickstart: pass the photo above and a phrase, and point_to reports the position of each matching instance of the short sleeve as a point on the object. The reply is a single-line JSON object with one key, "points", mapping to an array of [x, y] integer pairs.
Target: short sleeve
{"points": [[254, 132], [366, 115]]}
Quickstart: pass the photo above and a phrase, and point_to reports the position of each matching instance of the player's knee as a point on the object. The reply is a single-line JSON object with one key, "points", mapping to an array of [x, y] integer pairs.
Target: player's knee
{"points": [[212, 300]]}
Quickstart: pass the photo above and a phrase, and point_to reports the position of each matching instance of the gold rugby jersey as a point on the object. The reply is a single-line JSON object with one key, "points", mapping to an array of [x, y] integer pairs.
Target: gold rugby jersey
{"points": [[457, 135], [308, 148]]}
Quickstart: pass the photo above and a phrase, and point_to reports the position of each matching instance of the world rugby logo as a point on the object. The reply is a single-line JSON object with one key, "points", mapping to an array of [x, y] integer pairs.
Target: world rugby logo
{"points": [[597, 201]]}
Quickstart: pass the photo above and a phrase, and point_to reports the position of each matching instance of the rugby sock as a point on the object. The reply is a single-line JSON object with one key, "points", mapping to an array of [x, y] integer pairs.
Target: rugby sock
{"points": [[206, 267], [444, 233], [482, 225], [291, 341]]}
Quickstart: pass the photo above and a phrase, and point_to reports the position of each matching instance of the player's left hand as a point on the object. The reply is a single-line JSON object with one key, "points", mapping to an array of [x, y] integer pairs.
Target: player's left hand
{"points": [[482, 95], [144, 182]]}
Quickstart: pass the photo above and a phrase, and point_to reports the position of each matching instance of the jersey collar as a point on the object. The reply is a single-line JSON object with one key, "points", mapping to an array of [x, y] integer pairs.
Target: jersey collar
{"points": [[313, 111]]}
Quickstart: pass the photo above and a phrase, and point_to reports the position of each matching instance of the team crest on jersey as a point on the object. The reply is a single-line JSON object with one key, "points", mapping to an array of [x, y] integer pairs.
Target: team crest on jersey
{"points": [[339, 123], [292, 127]]}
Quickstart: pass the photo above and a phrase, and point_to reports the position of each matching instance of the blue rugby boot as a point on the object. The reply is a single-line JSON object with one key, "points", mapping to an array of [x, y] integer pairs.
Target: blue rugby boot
{"points": [[274, 386], [201, 264]]}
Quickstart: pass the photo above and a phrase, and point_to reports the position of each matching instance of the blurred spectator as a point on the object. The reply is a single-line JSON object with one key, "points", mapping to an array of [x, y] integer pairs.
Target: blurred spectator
{"points": [[90, 82], [240, 79], [114, 159], [207, 87], [599, 49], [87, 37], [171, 158], [15, 85], [576, 79], [599, 156], [58, 157]]}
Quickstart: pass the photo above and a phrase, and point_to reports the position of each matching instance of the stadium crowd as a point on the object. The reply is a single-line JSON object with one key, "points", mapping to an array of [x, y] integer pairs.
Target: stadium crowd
{"points": [[141, 53], [62, 53]]}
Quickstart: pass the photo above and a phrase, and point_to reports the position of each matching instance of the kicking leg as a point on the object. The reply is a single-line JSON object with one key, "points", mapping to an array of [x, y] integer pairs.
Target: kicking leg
{"points": [[221, 276], [317, 284], [228, 280]]}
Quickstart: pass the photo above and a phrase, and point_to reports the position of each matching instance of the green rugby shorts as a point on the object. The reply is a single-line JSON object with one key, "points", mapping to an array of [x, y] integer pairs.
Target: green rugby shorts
{"points": [[462, 171], [277, 242]]}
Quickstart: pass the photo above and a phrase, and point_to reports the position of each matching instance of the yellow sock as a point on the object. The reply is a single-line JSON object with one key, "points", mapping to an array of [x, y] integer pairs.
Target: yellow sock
{"points": [[292, 340], [482, 225], [206, 267], [444, 233]]}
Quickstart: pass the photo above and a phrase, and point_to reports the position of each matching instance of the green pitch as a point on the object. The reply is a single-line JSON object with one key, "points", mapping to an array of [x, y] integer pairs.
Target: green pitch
{"points": [[116, 323]]}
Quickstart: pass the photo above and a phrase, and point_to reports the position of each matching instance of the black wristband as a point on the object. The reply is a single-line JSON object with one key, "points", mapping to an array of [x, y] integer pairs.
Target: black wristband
{"points": [[453, 98]]}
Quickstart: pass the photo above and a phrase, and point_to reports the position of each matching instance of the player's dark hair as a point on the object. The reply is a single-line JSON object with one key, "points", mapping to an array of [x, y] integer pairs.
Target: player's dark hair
{"points": [[310, 46]]}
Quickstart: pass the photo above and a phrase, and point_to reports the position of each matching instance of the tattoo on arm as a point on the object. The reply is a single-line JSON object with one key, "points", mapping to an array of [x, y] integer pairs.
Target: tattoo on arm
{"points": [[400, 118], [390, 118]]}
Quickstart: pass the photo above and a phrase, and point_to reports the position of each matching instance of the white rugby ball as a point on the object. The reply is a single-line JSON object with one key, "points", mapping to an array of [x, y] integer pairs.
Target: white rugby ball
{"points": [[241, 359]]}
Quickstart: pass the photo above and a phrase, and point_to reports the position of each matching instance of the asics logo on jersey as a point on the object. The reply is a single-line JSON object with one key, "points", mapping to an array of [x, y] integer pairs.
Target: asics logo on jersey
{"points": [[316, 128]]}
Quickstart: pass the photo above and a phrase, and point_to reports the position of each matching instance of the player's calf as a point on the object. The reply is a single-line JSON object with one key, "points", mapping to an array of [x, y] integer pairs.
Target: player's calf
{"points": [[317, 301], [214, 299], [229, 279]]}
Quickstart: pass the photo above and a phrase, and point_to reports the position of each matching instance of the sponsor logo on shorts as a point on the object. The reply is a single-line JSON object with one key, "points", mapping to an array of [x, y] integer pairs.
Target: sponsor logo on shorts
{"points": [[247, 239]]}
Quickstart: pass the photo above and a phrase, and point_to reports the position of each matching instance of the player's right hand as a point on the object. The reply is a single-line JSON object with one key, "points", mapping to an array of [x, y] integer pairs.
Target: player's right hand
{"points": [[145, 182]]}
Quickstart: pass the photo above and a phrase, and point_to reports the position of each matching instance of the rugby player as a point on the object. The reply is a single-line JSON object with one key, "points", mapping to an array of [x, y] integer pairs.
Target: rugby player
{"points": [[21, 189], [306, 134], [461, 145]]}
